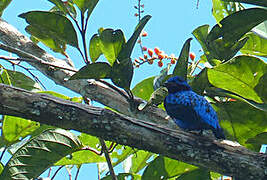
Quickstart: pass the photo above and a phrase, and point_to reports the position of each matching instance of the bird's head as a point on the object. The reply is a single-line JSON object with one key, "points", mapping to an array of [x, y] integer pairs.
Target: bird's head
{"points": [[175, 84]]}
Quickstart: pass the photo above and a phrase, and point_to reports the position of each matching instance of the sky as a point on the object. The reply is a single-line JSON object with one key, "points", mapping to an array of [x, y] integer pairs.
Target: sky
{"points": [[170, 26]]}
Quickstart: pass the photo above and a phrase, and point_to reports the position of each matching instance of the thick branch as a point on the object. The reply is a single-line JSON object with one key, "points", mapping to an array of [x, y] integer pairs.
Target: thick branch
{"points": [[89, 88], [198, 150]]}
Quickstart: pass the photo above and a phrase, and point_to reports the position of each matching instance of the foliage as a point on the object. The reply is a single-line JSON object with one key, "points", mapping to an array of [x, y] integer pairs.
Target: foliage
{"points": [[235, 83]]}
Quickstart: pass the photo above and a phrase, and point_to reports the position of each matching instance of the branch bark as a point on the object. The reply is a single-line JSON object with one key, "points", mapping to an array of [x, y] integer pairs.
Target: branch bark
{"points": [[201, 151], [92, 89]]}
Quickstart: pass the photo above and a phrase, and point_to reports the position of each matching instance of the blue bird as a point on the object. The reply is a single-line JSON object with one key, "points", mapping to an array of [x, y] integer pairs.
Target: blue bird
{"points": [[189, 110]]}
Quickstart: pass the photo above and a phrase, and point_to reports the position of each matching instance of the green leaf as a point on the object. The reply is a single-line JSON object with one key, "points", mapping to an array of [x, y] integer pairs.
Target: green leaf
{"points": [[40, 35], [122, 73], [199, 174], [99, 70], [123, 176], [255, 45], [240, 75], [241, 122], [40, 152], [15, 128], [164, 168], [86, 5], [222, 9], [182, 63], [261, 30], [3, 5], [94, 48], [139, 160], [258, 140], [144, 89], [254, 2], [111, 43], [18, 79], [60, 5], [122, 70], [234, 26], [1, 167], [128, 48], [53, 25], [83, 156]]}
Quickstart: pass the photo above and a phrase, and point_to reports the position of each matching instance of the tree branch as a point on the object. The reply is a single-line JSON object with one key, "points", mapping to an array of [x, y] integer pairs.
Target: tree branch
{"points": [[95, 90], [201, 151]]}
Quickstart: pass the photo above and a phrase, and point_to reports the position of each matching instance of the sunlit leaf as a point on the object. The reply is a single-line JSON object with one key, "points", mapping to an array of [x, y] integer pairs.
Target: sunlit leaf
{"points": [[99, 70], [164, 168], [15, 128], [199, 174], [94, 48], [123, 176], [40, 152], [255, 45], [139, 160], [111, 43], [55, 26], [86, 5], [255, 2], [241, 122], [240, 75], [144, 88]]}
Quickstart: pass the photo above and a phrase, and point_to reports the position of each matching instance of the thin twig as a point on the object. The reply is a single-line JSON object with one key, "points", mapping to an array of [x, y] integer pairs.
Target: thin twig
{"points": [[77, 173], [56, 172], [105, 150], [2, 154], [83, 34]]}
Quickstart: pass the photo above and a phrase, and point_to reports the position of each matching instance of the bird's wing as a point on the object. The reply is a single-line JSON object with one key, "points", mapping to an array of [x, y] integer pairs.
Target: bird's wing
{"points": [[192, 109]]}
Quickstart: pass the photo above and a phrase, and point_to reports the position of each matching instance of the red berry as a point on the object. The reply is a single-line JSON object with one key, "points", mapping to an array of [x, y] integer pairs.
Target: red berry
{"points": [[161, 56], [150, 52], [136, 14], [192, 56], [145, 56], [141, 58], [139, 41], [172, 61], [160, 63], [142, 5], [144, 48], [150, 61], [144, 34], [156, 50]]}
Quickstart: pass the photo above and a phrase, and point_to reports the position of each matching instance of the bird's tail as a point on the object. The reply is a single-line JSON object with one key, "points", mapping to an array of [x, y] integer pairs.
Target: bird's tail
{"points": [[219, 134]]}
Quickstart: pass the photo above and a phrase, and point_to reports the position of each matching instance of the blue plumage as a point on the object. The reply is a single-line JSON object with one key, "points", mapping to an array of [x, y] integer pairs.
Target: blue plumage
{"points": [[189, 110]]}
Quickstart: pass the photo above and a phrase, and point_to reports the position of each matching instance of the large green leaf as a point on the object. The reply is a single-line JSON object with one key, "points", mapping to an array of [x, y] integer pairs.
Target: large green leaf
{"points": [[199, 174], [53, 25], [234, 26], [255, 2], [255, 45], [94, 48], [123, 176], [40, 152], [122, 70], [219, 48], [144, 89], [99, 70], [240, 75], [222, 9], [40, 35], [3, 5], [241, 122], [164, 168], [258, 140], [139, 160], [86, 5], [15, 128], [111, 43], [182, 63], [18, 79]]}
